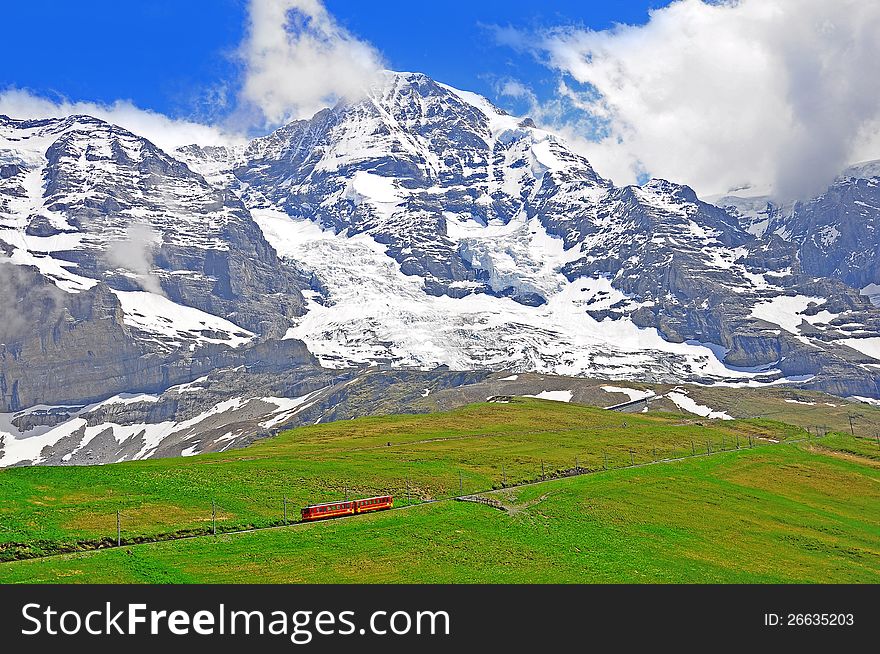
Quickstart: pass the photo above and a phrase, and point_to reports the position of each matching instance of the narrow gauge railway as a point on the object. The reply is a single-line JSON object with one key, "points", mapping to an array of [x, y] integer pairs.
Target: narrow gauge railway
{"points": [[352, 507]]}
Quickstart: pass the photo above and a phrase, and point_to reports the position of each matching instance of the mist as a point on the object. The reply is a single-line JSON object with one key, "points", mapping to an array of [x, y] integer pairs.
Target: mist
{"points": [[135, 254]]}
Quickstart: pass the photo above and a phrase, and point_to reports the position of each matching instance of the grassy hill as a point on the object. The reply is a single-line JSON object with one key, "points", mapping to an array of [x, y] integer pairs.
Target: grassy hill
{"points": [[786, 513], [806, 511], [478, 447]]}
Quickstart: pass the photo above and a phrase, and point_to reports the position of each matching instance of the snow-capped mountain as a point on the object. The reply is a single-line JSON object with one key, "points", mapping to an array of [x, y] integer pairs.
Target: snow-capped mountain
{"points": [[480, 207], [85, 201], [419, 226]]}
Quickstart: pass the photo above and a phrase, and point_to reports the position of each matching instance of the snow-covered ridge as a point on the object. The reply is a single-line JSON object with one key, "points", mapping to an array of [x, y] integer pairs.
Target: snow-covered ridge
{"points": [[139, 440]]}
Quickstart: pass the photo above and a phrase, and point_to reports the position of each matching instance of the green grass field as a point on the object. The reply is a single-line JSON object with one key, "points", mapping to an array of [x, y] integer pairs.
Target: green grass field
{"points": [[46, 510], [784, 513], [805, 511]]}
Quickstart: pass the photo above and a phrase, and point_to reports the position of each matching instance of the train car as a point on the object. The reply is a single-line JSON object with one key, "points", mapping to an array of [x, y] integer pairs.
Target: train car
{"points": [[373, 504], [338, 509], [327, 510]]}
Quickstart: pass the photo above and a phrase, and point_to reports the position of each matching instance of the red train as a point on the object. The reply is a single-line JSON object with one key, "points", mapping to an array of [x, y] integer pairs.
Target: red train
{"points": [[352, 507]]}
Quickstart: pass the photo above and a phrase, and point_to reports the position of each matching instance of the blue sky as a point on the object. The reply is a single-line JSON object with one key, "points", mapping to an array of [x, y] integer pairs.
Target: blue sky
{"points": [[172, 56], [767, 96]]}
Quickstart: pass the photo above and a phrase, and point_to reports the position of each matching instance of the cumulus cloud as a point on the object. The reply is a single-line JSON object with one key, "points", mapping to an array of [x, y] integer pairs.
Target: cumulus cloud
{"points": [[167, 133], [297, 59], [773, 94]]}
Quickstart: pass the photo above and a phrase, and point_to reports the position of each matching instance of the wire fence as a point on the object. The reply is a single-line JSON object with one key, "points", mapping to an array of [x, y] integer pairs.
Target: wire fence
{"points": [[138, 520]]}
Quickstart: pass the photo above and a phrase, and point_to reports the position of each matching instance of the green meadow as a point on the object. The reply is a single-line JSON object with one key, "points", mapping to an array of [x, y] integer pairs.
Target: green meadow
{"points": [[46, 510], [783, 513], [771, 504]]}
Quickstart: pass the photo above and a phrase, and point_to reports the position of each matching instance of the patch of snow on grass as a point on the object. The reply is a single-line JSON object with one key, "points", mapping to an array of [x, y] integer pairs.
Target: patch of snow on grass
{"points": [[556, 396], [686, 403], [868, 400], [632, 393]]}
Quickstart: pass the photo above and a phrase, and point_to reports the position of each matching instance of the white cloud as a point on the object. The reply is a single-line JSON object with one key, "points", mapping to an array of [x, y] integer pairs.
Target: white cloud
{"points": [[298, 59], [167, 133], [767, 93]]}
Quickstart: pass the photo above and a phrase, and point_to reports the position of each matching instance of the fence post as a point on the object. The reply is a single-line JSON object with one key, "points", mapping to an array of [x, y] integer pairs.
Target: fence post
{"points": [[213, 518], [708, 448], [460, 485], [285, 510], [632, 460], [693, 448], [723, 444], [118, 531], [543, 476], [503, 476], [737, 441], [750, 441], [406, 481], [576, 464]]}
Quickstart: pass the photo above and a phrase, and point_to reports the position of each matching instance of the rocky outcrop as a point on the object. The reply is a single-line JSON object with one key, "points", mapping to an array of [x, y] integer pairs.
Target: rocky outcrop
{"points": [[74, 348]]}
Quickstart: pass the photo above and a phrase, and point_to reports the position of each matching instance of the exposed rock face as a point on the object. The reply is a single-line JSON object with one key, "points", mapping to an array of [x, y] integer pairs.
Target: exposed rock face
{"points": [[75, 348]]}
